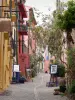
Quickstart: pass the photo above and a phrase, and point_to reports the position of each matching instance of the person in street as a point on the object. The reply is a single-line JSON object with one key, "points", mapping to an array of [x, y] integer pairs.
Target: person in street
{"points": [[53, 76]]}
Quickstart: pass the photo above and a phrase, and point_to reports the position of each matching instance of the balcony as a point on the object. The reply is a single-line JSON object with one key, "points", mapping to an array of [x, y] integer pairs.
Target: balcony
{"points": [[22, 29], [22, 9]]}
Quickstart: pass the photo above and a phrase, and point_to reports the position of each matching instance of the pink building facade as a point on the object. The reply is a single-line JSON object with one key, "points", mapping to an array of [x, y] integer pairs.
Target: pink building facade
{"points": [[27, 44]]}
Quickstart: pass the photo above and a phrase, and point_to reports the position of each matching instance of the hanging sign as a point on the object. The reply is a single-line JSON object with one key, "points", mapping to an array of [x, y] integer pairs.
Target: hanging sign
{"points": [[16, 68], [53, 69]]}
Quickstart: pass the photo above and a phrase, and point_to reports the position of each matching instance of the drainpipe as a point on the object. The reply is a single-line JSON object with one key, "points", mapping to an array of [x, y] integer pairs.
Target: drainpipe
{"points": [[17, 73], [16, 35]]}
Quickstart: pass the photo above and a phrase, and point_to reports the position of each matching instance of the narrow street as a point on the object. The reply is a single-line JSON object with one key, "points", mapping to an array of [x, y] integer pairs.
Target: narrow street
{"points": [[37, 36], [35, 90]]}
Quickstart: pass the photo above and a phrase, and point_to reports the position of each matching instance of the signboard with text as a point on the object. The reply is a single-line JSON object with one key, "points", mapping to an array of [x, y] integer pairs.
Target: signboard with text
{"points": [[53, 69], [16, 68]]}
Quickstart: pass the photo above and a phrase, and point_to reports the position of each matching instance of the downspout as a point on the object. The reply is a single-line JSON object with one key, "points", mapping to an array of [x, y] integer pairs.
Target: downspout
{"points": [[16, 35]]}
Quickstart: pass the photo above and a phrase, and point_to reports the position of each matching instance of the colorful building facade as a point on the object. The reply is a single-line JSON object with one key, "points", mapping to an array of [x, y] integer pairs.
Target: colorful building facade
{"points": [[16, 39], [27, 43], [23, 57], [5, 46]]}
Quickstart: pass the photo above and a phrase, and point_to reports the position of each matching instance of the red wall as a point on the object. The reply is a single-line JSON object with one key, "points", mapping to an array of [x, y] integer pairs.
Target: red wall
{"points": [[24, 62], [23, 58]]}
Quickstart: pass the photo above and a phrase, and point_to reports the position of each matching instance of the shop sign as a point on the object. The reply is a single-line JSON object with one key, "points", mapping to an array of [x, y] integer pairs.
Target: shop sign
{"points": [[16, 68], [53, 69]]}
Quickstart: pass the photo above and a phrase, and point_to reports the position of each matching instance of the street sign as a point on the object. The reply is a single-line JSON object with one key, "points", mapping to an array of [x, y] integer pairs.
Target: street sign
{"points": [[53, 69], [16, 68]]}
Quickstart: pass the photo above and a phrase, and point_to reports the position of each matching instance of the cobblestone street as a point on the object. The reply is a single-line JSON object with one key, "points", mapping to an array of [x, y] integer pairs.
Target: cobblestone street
{"points": [[35, 90]]}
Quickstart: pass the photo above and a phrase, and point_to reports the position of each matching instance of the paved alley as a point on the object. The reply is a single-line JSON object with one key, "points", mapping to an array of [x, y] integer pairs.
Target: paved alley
{"points": [[35, 90]]}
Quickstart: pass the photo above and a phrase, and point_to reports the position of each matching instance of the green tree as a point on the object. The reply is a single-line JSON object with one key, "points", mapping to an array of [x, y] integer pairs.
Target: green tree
{"points": [[66, 21], [49, 34], [33, 63]]}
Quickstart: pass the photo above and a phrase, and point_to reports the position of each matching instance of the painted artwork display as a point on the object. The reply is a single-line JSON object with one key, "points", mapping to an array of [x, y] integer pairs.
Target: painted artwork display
{"points": [[16, 68], [53, 69]]}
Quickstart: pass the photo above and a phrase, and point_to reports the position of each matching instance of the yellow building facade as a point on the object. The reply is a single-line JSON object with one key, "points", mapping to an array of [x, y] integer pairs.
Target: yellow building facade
{"points": [[6, 58]]}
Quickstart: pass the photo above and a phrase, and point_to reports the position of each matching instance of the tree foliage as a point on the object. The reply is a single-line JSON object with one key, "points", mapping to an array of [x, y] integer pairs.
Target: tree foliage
{"points": [[66, 20], [71, 58], [55, 42], [38, 31], [34, 60], [49, 34]]}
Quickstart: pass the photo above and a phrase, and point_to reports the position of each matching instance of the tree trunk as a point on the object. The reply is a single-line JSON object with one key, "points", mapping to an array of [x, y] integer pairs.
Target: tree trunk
{"points": [[70, 40]]}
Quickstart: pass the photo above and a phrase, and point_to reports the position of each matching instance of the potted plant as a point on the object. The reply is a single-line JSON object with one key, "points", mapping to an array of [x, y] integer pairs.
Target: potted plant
{"points": [[62, 80], [61, 70], [71, 90], [13, 79], [22, 78]]}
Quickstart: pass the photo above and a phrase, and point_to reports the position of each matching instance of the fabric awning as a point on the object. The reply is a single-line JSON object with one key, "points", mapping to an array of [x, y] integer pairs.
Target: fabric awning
{"points": [[22, 9], [5, 25]]}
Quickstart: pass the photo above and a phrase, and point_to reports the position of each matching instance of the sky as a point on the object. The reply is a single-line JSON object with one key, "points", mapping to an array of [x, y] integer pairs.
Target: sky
{"points": [[42, 5], [45, 6]]}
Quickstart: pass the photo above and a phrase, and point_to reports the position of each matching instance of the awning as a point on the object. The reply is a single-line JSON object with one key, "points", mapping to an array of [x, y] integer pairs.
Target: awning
{"points": [[5, 25], [22, 9]]}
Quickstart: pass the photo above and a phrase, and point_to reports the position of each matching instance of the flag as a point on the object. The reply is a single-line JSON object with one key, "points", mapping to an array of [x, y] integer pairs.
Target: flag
{"points": [[46, 54]]}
